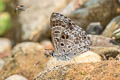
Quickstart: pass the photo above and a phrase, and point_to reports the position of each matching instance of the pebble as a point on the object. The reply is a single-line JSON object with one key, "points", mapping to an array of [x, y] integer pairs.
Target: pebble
{"points": [[113, 25], [16, 77], [94, 28], [5, 47]]}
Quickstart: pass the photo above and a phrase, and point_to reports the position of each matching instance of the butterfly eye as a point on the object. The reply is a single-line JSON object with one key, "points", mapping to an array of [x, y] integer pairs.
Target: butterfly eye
{"points": [[54, 14]]}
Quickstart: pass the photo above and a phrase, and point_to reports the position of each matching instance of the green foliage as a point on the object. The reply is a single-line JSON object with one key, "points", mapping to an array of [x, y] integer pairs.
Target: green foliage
{"points": [[2, 5], [5, 23]]}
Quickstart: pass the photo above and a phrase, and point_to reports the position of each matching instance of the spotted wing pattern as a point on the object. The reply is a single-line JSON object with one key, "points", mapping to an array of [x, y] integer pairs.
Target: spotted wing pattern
{"points": [[69, 39]]}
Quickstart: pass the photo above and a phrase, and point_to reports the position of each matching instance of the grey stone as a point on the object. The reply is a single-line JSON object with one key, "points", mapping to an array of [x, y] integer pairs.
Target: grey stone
{"points": [[16, 77]]}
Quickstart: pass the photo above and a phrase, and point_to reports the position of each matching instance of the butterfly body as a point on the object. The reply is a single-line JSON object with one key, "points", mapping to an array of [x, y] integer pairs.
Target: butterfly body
{"points": [[69, 39]]}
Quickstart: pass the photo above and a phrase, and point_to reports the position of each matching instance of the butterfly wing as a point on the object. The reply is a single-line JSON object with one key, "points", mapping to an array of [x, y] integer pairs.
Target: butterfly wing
{"points": [[68, 39], [57, 26]]}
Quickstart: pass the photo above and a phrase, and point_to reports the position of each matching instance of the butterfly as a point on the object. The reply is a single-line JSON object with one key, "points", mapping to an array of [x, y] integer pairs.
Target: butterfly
{"points": [[69, 39]]}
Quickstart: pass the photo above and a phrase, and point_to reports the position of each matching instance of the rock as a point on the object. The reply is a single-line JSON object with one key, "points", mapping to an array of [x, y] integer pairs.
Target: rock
{"points": [[104, 46], [93, 11], [94, 28], [2, 63], [116, 34], [16, 77], [86, 57], [119, 1], [107, 52], [36, 16], [26, 58], [5, 47], [101, 41], [47, 44], [73, 5], [79, 3], [111, 27], [105, 70]]}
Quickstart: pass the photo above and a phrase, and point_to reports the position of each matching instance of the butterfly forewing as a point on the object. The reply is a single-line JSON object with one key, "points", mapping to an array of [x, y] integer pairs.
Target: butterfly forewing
{"points": [[69, 39]]}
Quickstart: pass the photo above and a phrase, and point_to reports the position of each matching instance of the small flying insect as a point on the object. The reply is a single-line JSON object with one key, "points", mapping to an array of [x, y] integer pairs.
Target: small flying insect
{"points": [[19, 8]]}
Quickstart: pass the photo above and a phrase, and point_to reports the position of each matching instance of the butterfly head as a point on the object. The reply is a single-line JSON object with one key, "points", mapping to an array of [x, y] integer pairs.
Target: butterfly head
{"points": [[57, 16], [54, 16]]}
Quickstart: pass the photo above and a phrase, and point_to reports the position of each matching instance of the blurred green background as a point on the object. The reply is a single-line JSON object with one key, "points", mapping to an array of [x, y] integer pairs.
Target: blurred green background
{"points": [[5, 19]]}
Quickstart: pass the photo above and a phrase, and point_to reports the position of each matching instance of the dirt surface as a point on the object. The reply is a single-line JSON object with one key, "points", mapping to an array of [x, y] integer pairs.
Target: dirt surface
{"points": [[105, 70]]}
